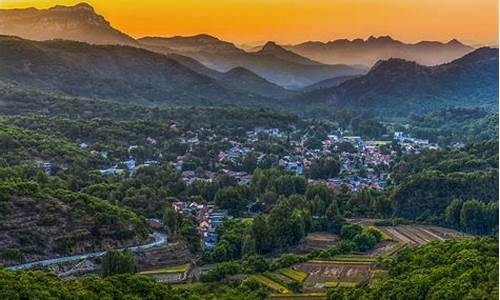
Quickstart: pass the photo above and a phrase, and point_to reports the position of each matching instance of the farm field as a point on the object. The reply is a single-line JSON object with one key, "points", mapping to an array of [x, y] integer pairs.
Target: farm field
{"points": [[416, 235], [350, 270], [173, 269], [294, 274], [320, 240], [341, 273], [302, 296], [273, 285]]}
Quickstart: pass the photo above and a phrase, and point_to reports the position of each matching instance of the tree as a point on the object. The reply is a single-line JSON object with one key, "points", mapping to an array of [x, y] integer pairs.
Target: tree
{"points": [[349, 231], [325, 168], [452, 213], [262, 235], [471, 217], [171, 221], [117, 262], [230, 198]]}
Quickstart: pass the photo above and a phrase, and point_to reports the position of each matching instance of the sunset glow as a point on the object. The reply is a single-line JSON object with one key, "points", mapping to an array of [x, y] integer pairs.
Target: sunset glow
{"points": [[293, 21]]}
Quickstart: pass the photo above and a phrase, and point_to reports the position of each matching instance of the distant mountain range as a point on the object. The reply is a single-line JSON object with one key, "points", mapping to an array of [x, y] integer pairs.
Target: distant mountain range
{"points": [[373, 49], [121, 72], [204, 70], [273, 62], [404, 86]]}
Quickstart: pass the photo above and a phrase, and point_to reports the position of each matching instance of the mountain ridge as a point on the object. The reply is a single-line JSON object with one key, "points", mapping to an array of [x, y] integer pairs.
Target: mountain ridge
{"points": [[374, 48], [402, 85], [112, 72]]}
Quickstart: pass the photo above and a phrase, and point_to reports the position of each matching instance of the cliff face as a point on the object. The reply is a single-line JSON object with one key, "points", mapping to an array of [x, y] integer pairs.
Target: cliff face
{"points": [[79, 23], [42, 224]]}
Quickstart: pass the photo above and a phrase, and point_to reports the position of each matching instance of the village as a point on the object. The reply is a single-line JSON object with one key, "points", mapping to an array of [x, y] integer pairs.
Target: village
{"points": [[363, 164]]}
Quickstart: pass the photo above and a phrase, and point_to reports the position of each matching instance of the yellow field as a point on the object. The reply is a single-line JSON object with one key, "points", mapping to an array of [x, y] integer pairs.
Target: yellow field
{"points": [[270, 283], [173, 269], [302, 296], [294, 274], [332, 284]]}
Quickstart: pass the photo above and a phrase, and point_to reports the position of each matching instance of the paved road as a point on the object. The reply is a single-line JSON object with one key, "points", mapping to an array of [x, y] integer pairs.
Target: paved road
{"points": [[158, 240]]}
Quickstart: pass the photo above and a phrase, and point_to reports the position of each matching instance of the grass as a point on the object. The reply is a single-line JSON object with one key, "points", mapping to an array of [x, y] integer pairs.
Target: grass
{"points": [[395, 250], [173, 269], [187, 286], [385, 236], [343, 262], [379, 276], [375, 143], [353, 258], [324, 237], [347, 284], [270, 283], [299, 296], [295, 275]]}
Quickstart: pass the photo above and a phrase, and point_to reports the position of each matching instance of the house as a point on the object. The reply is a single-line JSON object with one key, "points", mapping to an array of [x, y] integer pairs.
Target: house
{"points": [[294, 167], [130, 164], [154, 224], [47, 168]]}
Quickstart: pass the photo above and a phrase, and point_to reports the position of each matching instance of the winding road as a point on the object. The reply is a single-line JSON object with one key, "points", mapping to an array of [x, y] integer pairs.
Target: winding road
{"points": [[159, 239]]}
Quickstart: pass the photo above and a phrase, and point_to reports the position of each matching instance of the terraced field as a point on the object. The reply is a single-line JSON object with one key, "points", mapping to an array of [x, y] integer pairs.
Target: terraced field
{"points": [[294, 274], [320, 240], [334, 273], [416, 235], [273, 285], [350, 270]]}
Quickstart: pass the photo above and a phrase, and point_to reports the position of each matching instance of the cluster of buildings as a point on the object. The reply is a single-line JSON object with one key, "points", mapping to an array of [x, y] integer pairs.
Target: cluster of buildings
{"points": [[208, 219], [128, 165]]}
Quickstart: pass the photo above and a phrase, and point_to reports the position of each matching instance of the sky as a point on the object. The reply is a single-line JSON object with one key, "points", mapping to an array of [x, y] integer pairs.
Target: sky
{"points": [[293, 21]]}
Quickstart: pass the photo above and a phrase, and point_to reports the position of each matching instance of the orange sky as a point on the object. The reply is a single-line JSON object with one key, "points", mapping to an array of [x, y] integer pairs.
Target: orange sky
{"points": [[292, 21]]}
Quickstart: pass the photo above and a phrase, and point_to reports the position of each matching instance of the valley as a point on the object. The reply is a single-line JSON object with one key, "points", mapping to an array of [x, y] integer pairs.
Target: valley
{"points": [[188, 167]]}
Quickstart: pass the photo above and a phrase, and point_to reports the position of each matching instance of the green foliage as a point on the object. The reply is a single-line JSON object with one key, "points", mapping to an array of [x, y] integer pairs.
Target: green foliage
{"points": [[454, 269], [171, 221], [428, 183], [325, 168], [349, 231], [117, 262], [452, 125], [286, 260], [221, 270], [40, 285]]}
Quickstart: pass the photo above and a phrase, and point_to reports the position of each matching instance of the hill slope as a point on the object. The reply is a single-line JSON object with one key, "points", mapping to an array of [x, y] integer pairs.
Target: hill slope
{"points": [[114, 72], [397, 85]]}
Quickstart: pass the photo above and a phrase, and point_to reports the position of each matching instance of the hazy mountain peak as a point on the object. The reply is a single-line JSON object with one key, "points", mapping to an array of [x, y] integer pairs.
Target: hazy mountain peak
{"points": [[271, 46], [371, 50], [455, 42], [82, 6], [386, 39]]}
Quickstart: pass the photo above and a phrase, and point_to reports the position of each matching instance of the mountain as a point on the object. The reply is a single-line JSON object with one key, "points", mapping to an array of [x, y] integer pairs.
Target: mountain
{"points": [[373, 49], [238, 78], [251, 82], [273, 62], [79, 23], [196, 43], [328, 83], [271, 48], [113, 72], [397, 85]]}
